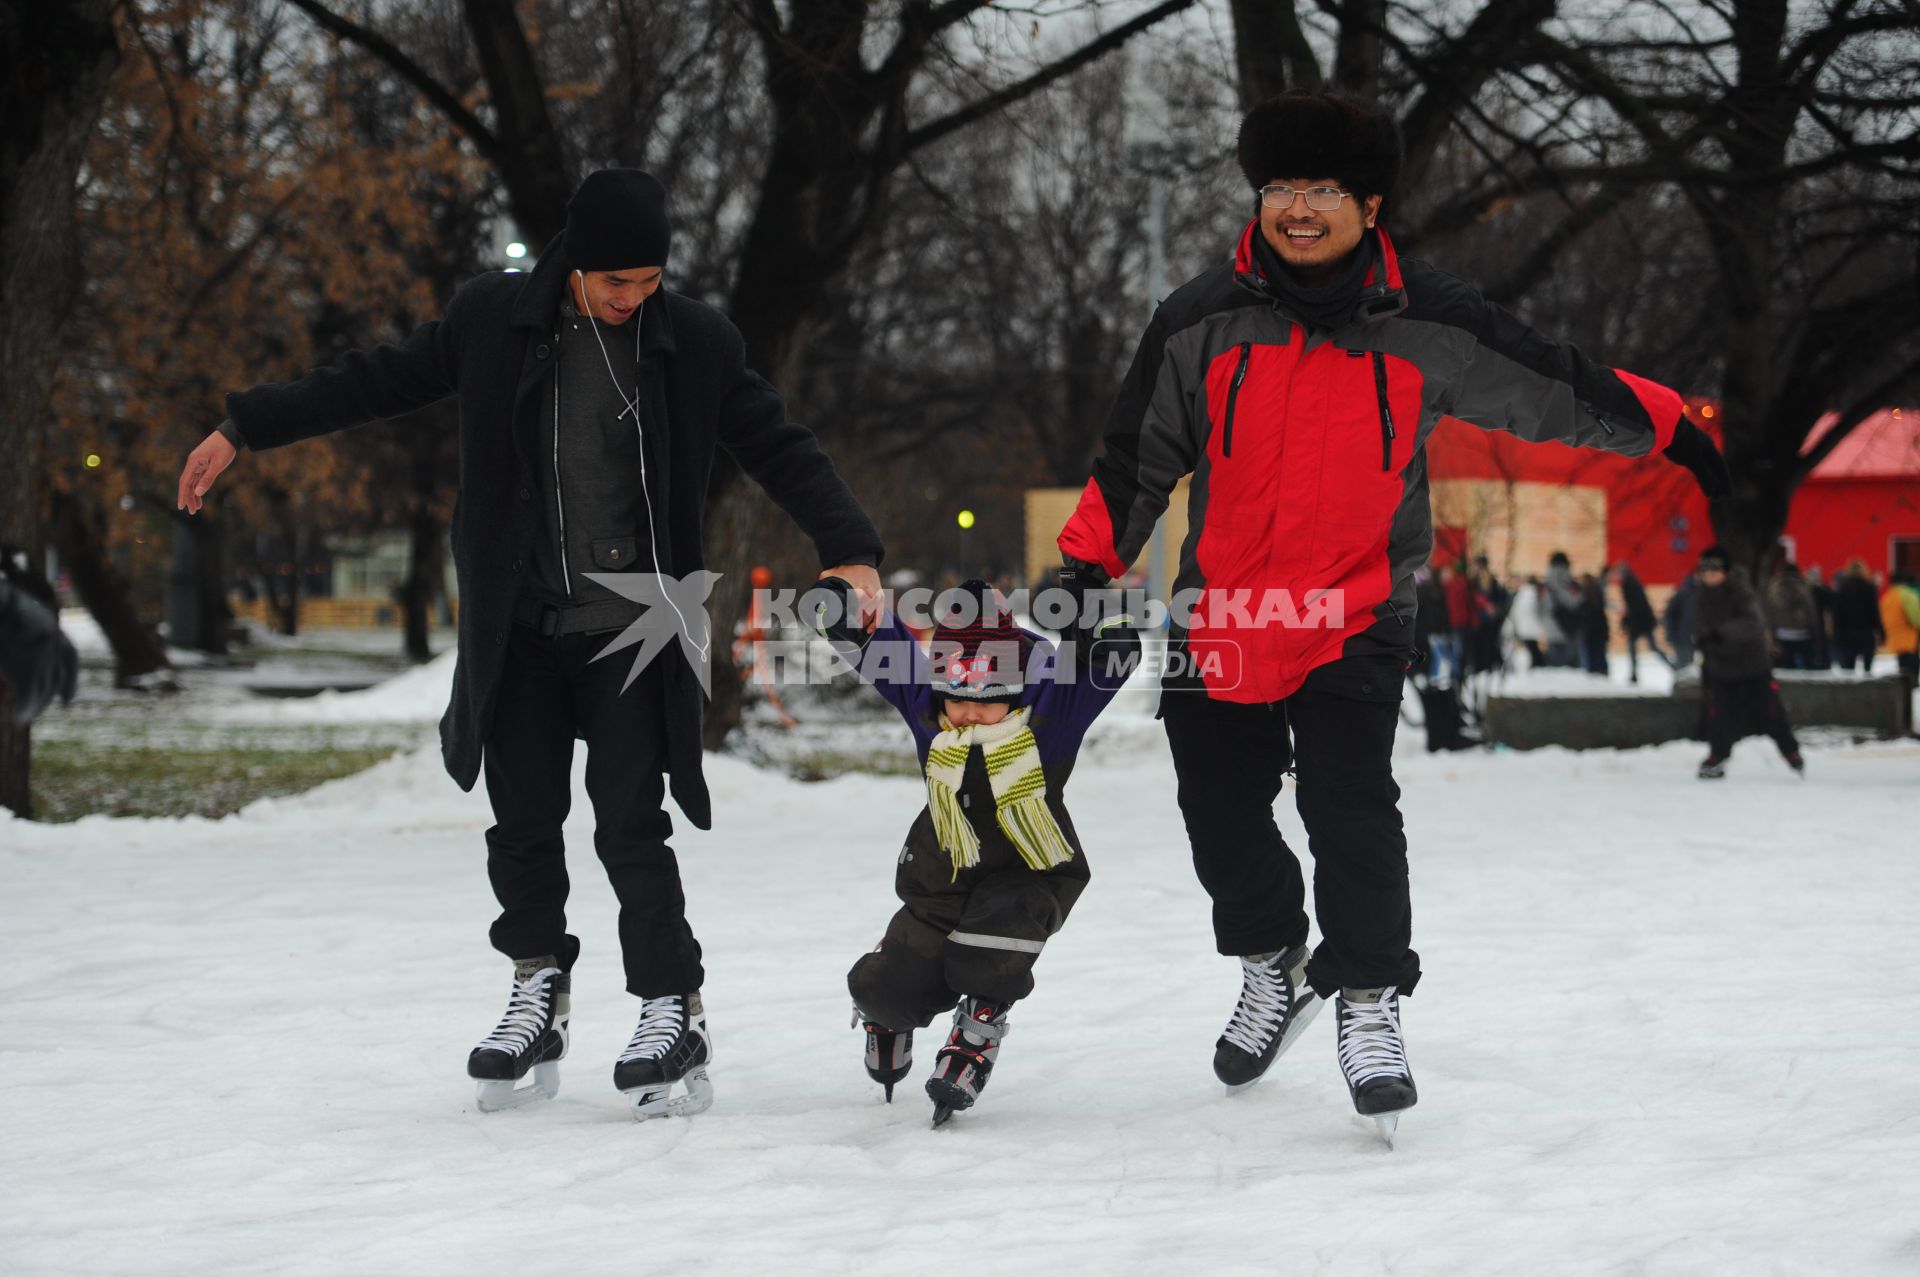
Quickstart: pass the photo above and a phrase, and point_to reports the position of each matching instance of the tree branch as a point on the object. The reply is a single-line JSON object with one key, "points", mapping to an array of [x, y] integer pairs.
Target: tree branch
{"points": [[993, 102], [407, 69]]}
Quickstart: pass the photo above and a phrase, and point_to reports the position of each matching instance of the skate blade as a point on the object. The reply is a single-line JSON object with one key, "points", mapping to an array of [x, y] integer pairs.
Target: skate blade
{"points": [[1386, 1124], [660, 1101], [941, 1112], [493, 1095], [1308, 1011]]}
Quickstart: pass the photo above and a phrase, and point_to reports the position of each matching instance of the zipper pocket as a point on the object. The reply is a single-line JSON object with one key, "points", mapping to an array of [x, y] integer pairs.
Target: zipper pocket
{"points": [[1386, 412], [1233, 397]]}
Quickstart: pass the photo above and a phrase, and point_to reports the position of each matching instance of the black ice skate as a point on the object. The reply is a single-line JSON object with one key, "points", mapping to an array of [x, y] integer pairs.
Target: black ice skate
{"points": [[1374, 1057], [1275, 1006], [961, 1069], [889, 1053], [669, 1048], [1713, 768], [532, 1035]]}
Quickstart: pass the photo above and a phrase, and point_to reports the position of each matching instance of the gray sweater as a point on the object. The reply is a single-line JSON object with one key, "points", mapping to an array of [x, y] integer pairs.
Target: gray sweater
{"points": [[592, 494]]}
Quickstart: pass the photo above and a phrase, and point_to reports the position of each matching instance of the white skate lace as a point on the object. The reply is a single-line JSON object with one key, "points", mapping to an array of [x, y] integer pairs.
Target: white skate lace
{"points": [[660, 1023], [1370, 1043], [526, 1014], [1262, 1008]]}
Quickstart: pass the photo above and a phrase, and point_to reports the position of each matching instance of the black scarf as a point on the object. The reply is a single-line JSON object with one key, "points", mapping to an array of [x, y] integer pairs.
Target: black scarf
{"points": [[1328, 307]]}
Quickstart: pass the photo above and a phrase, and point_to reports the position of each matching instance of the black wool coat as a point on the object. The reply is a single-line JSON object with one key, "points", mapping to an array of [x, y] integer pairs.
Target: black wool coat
{"points": [[495, 351]]}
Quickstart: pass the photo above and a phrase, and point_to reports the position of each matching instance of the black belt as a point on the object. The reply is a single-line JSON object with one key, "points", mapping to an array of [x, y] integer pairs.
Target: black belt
{"points": [[551, 620]]}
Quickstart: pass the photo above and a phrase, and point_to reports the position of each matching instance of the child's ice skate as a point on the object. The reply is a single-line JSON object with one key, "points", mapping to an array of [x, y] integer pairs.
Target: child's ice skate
{"points": [[963, 1065], [889, 1053]]}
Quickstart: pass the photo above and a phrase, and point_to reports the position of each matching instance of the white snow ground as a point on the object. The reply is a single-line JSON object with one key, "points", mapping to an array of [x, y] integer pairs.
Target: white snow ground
{"points": [[1666, 1028]]}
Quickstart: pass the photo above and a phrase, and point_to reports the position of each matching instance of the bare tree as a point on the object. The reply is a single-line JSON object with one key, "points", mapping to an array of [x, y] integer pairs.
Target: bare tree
{"points": [[59, 55]]}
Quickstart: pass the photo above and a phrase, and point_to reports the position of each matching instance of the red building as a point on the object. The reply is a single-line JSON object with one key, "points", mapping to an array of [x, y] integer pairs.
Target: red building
{"points": [[1518, 502]]}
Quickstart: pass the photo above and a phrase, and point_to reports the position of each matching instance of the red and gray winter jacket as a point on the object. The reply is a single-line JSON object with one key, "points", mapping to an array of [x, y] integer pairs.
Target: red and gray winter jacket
{"points": [[1308, 511]]}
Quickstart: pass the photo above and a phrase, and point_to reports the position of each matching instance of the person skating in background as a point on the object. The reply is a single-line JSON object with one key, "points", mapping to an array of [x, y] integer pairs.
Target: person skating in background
{"points": [[37, 661], [1677, 619], [1742, 697], [1595, 632], [992, 865], [1900, 621], [1824, 600], [1560, 611], [1299, 383], [1491, 600], [1636, 621], [1524, 621], [1791, 610], [1857, 629]]}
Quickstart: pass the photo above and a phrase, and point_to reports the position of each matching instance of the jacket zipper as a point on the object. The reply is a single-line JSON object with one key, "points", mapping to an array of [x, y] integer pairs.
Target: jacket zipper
{"points": [[1233, 397], [559, 499], [1386, 413]]}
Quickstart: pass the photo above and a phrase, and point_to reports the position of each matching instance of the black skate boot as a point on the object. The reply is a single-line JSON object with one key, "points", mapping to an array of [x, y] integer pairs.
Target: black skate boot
{"points": [[669, 1047], [1373, 1056], [1275, 1006], [1713, 768], [532, 1035], [961, 1069], [889, 1053]]}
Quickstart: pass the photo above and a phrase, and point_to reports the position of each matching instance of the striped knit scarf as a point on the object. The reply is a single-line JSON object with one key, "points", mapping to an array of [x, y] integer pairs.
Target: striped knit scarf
{"points": [[1019, 793]]}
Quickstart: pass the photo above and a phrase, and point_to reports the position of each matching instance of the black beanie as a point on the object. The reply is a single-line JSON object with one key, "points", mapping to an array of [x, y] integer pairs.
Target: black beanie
{"points": [[617, 220], [1302, 134], [1716, 557]]}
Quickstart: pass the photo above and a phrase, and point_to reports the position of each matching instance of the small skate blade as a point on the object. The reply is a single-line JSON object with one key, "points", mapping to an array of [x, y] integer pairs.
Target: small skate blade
{"points": [[889, 1092], [660, 1101], [1387, 1124], [941, 1112], [493, 1095]]}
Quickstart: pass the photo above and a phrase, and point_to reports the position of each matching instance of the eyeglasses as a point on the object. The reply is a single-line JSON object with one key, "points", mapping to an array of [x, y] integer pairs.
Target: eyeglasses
{"points": [[1321, 199]]}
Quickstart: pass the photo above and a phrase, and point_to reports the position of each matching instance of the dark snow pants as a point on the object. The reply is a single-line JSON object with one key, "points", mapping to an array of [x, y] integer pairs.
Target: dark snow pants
{"points": [[1336, 734], [551, 693], [1738, 707], [975, 936]]}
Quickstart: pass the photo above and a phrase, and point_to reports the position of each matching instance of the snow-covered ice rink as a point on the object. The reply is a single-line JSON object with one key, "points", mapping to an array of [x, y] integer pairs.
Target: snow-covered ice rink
{"points": [[1665, 1027]]}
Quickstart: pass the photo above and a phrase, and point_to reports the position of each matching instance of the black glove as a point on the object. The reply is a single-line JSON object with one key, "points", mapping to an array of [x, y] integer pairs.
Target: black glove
{"points": [[831, 609], [36, 659], [1693, 449]]}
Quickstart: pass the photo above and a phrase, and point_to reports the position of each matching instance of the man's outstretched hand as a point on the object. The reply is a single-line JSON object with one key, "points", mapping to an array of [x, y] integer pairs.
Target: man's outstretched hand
{"points": [[204, 465], [1693, 449]]}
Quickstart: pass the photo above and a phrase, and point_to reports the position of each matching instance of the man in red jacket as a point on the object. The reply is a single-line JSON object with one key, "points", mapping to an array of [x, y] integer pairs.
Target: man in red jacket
{"points": [[1298, 385]]}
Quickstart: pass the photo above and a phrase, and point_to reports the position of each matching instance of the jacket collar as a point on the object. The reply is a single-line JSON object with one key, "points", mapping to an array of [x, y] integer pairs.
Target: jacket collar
{"points": [[538, 305], [1381, 293]]}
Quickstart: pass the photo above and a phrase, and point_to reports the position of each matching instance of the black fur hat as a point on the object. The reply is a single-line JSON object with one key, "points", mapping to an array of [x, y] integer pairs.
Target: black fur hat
{"points": [[1319, 134]]}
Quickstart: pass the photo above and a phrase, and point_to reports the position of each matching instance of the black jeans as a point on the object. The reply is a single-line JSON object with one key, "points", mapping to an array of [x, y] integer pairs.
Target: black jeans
{"points": [[1336, 733], [550, 693]]}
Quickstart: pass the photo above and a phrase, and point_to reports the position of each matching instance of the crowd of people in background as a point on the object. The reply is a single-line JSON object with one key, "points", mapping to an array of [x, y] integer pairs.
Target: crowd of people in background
{"points": [[1470, 621]]}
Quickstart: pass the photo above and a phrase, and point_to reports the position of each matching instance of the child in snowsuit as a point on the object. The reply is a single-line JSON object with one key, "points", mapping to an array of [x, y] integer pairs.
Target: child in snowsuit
{"points": [[1737, 674], [992, 865]]}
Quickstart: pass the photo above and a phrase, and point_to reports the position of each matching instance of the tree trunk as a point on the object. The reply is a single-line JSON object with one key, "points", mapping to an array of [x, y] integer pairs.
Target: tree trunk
{"points": [[1270, 51], [59, 56], [137, 649], [426, 571]]}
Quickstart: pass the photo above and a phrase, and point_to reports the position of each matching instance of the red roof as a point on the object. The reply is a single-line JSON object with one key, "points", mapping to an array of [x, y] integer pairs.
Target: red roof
{"points": [[1884, 446]]}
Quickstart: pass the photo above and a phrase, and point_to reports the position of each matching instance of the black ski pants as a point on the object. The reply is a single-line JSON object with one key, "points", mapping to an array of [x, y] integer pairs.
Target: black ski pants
{"points": [[1738, 707], [551, 693], [974, 935], [1336, 734]]}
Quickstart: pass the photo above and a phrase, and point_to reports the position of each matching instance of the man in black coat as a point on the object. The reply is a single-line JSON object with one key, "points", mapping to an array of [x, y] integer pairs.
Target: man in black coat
{"points": [[592, 400], [1742, 698]]}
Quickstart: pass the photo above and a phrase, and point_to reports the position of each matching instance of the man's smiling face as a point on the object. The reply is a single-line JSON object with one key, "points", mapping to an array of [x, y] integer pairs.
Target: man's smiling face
{"points": [[1308, 239]]}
